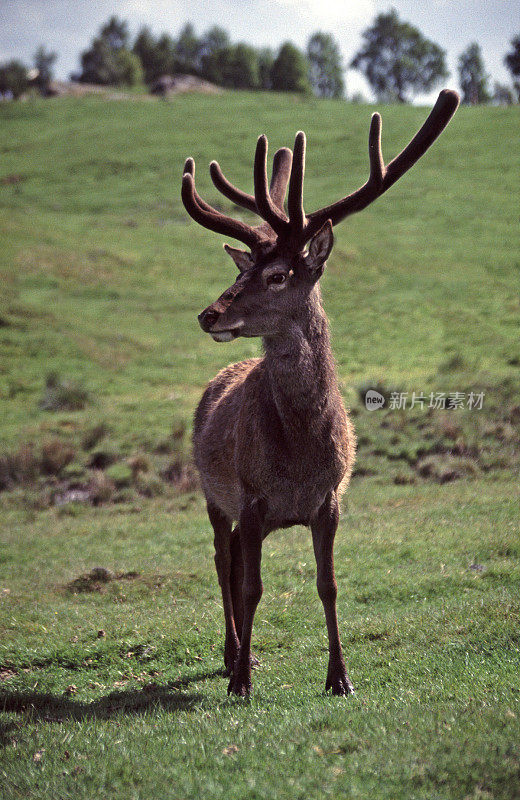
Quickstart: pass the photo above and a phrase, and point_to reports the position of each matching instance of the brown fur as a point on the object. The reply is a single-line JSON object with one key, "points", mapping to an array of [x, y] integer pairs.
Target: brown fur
{"points": [[272, 440], [277, 425], [273, 443]]}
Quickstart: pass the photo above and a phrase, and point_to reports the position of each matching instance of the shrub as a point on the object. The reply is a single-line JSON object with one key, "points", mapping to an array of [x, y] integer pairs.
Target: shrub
{"points": [[149, 484], [93, 436], [443, 469], [63, 395], [19, 467], [183, 476], [101, 488], [55, 455]]}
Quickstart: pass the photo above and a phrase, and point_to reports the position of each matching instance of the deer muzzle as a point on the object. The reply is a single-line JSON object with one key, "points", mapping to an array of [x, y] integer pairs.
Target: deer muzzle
{"points": [[210, 317]]}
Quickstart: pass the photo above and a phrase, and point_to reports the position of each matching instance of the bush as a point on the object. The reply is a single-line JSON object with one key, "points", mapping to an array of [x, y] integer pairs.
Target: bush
{"points": [[101, 488], [55, 456], [63, 395], [93, 436], [13, 79], [149, 484], [19, 467], [443, 469]]}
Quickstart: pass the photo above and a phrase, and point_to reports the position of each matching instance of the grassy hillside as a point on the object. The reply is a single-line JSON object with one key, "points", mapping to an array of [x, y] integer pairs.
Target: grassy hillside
{"points": [[110, 681]]}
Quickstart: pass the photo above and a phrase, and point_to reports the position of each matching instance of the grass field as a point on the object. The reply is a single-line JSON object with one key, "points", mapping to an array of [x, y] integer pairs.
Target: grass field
{"points": [[111, 625]]}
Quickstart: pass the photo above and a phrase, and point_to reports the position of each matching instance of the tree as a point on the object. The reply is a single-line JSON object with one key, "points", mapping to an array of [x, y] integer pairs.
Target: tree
{"points": [[265, 66], [290, 70], [13, 79], [245, 67], [115, 33], [109, 62], [157, 56], [502, 95], [512, 62], [215, 52], [214, 39], [130, 70], [43, 63], [326, 73], [99, 65], [235, 66], [398, 60], [472, 76], [187, 49]]}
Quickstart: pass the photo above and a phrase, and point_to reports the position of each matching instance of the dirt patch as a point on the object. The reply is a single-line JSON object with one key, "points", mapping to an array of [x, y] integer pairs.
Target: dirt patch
{"points": [[176, 84], [12, 180], [97, 580], [168, 85]]}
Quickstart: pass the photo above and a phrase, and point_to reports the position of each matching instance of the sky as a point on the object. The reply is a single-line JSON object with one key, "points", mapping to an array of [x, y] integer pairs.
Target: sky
{"points": [[68, 26]]}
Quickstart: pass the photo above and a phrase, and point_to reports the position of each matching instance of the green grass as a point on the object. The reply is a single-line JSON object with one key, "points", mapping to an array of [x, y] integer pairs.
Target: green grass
{"points": [[113, 687]]}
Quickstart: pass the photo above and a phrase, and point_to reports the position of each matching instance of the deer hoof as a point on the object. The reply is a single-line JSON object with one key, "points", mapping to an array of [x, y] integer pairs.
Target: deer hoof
{"points": [[239, 688], [339, 683], [240, 683]]}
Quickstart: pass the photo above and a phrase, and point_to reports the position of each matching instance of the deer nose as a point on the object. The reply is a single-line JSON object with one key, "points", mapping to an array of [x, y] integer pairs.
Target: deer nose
{"points": [[208, 318]]}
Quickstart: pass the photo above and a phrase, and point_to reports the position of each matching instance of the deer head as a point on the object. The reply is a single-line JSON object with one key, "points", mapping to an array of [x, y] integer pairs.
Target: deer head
{"points": [[288, 250]]}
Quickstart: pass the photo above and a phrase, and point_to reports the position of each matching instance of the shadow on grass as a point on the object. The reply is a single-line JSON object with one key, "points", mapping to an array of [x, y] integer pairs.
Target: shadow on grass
{"points": [[56, 708]]}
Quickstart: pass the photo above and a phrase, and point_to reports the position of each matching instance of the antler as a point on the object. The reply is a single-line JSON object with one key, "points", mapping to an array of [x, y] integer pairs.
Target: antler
{"points": [[281, 170], [266, 203], [209, 217], [296, 229], [381, 177]]}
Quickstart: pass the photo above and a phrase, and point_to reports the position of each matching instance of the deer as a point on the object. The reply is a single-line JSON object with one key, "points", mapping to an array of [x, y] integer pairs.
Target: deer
{"points": [[272, 441]]}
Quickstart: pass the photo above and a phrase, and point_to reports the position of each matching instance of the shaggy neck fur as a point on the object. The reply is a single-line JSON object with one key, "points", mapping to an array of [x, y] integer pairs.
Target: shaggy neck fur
{"points": [[300, 367]]}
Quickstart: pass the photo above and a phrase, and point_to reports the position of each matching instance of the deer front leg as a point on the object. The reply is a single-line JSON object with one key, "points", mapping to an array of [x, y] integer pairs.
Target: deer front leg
{"points": [[251, 530], [323, 529], [237, 579], [222, 530]]}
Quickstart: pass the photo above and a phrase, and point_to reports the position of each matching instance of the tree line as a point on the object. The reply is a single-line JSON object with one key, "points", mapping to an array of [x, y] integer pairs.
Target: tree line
{"points": [[113, 60], [396, 59]]}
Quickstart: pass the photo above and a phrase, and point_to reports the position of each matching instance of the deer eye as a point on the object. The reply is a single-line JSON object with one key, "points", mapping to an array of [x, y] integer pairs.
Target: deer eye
{"points": [[277, 278]]}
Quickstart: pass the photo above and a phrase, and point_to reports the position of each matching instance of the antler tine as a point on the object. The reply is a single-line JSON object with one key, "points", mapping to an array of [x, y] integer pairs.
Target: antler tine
{"points": [[382, 178], [230, 191], [266, 208], [189, 169], [443, 110], [281, 170], [209, 218], [295, 200], [375, 154], [282, 162]]}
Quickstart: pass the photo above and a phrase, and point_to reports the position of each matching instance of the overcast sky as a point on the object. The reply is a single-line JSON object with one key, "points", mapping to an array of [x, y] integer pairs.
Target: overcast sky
{"points": [[67, 26]]}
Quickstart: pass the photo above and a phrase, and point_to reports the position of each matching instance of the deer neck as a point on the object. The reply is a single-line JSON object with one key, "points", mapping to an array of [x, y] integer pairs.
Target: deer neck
{"points": [[300, 367]]}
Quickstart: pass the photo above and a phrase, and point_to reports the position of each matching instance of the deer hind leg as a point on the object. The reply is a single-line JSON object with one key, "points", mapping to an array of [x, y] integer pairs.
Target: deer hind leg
{"points": [[251, 528], [323, 529], [222, 530]]}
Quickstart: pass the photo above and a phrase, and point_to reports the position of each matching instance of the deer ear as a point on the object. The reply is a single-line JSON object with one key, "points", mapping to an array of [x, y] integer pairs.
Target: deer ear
{"points": [[242, 258], [319, 249]]}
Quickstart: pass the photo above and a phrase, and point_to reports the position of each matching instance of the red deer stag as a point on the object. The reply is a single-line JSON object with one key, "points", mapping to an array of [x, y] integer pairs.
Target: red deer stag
{"points": [[272, 440]]}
